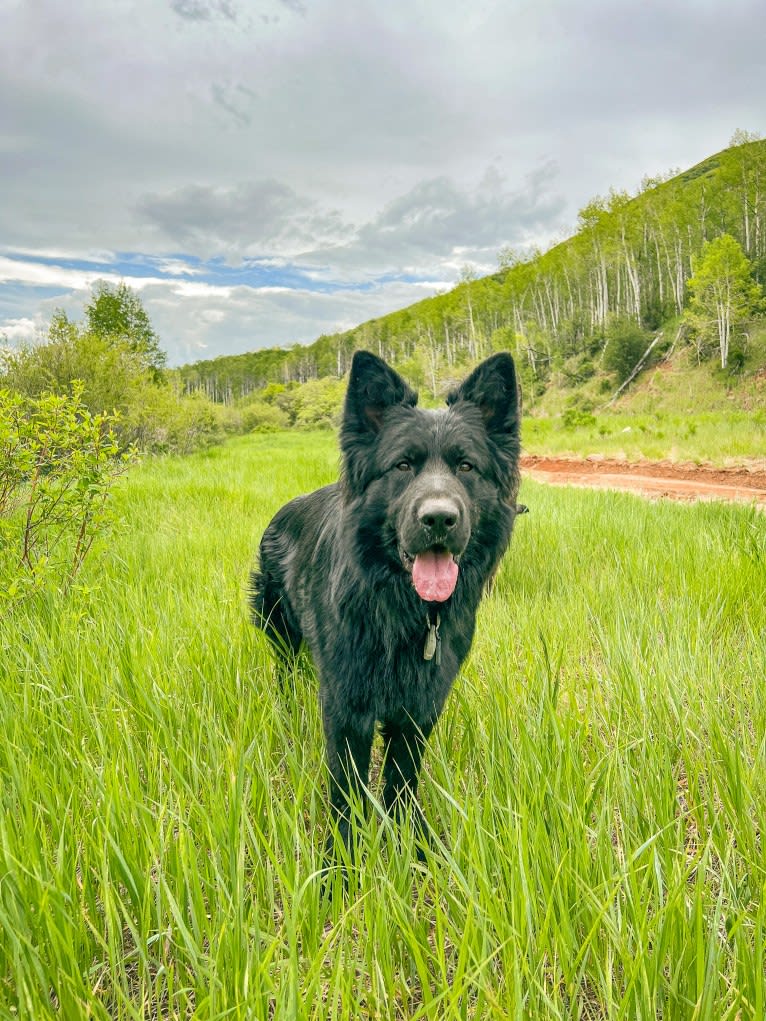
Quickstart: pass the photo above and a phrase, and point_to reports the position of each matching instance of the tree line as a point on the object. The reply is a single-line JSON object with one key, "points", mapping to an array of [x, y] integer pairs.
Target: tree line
{"points": [[632, 260]]}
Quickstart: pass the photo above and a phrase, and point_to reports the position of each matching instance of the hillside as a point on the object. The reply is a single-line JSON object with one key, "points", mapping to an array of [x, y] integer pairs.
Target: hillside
{"points": [[578, 317]]}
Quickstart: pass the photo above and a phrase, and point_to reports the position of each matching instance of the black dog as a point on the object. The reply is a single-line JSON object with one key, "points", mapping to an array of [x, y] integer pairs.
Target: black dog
{"points": [[381, 574]]}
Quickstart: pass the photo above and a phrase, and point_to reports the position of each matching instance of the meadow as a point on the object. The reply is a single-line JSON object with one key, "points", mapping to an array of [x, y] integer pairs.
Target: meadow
{"points": [[597, 783], [707, 437]]}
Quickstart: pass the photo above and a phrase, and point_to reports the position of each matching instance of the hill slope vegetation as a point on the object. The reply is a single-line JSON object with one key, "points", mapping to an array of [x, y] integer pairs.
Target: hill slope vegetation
{"points": [[626, 281]]}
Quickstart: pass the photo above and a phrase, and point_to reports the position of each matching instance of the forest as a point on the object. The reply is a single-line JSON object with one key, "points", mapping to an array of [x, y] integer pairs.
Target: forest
{"points": [[632, 267]]}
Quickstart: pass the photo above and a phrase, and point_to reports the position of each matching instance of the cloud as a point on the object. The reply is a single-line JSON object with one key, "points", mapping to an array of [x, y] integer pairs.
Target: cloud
{"points": [[248, 219], [48, 275], [191, 315], [437, 222], [204, 10], [37, 274], [18, 330], [415, 232], [177, 267], [209, 10], [62, 254], [438, 213], [251, 318]]}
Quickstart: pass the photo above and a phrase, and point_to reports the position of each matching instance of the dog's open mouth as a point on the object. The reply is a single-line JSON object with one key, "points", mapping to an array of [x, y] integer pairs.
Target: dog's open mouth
{"points": [[434, 573]]}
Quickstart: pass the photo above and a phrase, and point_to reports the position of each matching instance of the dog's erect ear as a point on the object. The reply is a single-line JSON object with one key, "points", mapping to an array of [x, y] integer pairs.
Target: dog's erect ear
{"points": [[492, 387], [373, 387]]}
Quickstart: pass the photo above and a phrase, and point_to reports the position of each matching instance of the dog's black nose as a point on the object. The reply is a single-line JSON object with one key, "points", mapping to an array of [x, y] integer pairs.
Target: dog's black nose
{"points": [[439, 515]]}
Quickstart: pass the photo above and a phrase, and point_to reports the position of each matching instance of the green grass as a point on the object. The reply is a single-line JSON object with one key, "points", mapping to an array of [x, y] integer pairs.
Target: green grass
{"points": [[720, 438], [597, 780]]}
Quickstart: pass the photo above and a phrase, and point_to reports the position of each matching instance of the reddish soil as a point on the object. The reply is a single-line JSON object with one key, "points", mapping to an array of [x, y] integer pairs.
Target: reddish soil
{"points": [[652, 478]]}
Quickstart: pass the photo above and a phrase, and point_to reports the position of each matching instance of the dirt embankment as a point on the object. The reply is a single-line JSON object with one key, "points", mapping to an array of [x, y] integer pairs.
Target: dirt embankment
{"points": [[652, 478]]}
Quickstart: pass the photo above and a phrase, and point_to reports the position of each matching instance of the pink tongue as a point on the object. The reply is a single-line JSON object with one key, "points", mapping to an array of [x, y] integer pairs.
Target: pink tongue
{"points": [[434, 576]]}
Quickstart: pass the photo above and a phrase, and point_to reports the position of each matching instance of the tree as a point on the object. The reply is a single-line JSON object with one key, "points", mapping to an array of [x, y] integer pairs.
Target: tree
{"points": [[117, 312], [724, 295], [508, 258], [742, 137], [61, 329]]}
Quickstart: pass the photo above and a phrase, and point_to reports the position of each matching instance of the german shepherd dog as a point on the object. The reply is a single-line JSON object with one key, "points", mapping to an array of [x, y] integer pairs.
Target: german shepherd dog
{"points": [[381, 573]]}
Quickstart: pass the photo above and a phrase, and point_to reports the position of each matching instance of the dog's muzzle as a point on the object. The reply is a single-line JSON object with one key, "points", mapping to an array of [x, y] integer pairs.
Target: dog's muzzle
{"points": [[436, 532]]}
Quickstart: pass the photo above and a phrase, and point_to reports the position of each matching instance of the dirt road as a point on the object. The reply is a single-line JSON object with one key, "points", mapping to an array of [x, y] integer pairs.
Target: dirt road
{"points": [[652, 478]]}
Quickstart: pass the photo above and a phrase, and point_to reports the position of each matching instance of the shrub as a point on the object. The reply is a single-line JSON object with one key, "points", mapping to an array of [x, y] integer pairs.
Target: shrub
{"points": [[272, 392], [118, 363], [110, 373], [58, 463], [532, 379], [577, 418], [162, 422], [577, 370], [261, 417], [318, 403], [626, 342]]}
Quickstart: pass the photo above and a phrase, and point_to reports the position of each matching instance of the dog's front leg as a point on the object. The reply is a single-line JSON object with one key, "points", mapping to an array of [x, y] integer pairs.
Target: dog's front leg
{"points": [[404, 746], [349, 741]]}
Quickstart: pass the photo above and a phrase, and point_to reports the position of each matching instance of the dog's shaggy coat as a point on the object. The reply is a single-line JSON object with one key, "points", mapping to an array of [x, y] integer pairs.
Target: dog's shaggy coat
{"points": [[381, 573]]}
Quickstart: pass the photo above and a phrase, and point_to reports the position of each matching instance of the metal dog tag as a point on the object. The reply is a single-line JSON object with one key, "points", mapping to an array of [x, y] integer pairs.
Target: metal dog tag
{"points": [[432, 640]]}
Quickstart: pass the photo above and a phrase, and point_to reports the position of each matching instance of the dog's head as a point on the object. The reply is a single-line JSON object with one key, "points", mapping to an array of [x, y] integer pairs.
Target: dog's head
{"points": [[424, 483]]}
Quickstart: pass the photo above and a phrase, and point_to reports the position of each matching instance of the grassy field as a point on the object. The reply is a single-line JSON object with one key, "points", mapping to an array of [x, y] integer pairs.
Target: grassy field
{"points": [[713, 437], [597, 781]]}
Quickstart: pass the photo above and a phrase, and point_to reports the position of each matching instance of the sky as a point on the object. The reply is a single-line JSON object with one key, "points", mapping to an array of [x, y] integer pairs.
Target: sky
{"points": [[265, 171]]}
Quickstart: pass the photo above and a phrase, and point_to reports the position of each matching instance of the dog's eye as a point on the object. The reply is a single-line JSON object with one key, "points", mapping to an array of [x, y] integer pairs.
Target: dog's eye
{"points": [[404, 466], [465, 466]]}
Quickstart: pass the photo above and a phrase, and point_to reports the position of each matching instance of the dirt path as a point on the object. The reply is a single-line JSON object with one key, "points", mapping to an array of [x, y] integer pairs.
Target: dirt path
{"points": [[652, 478]]}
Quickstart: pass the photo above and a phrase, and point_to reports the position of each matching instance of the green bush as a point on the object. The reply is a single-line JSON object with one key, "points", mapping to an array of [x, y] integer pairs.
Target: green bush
{"points": [[162, 422], [318, 403], [272, 392], [532, 382], [111, 373], [626, 342], [58, 463], [577, 418], [117, 360], [150, 413], [259, 416]]}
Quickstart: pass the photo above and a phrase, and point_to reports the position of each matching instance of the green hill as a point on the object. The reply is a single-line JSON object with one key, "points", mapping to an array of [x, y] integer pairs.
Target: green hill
{"points": [[578, 317]]}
